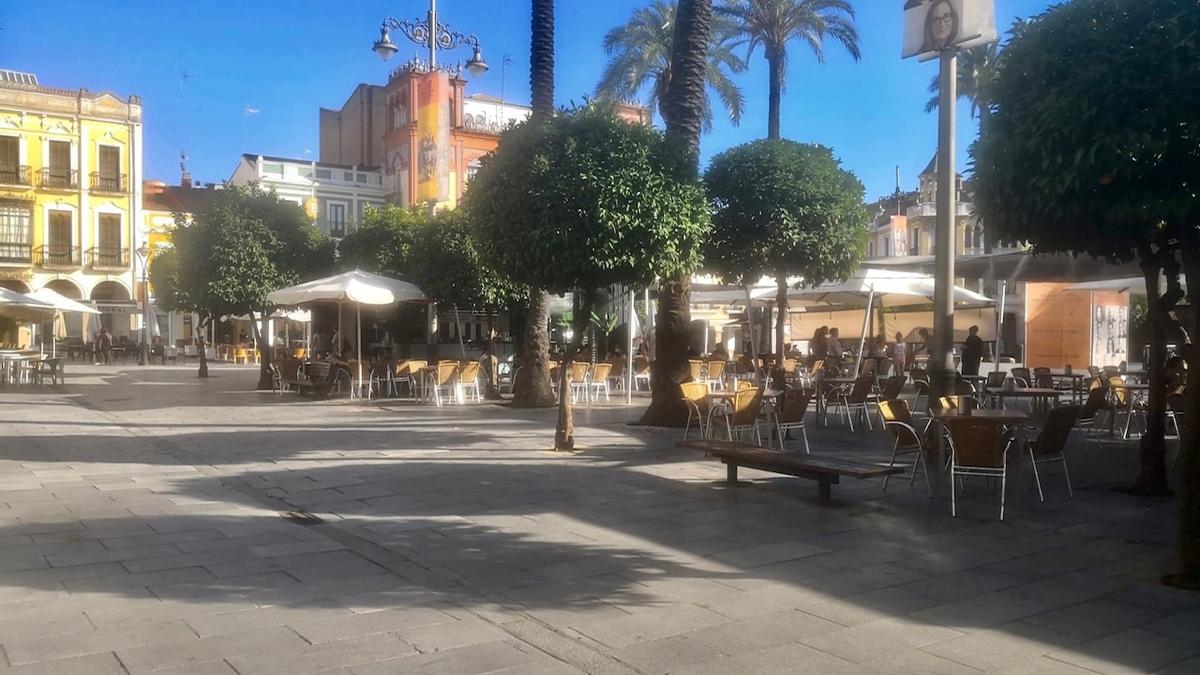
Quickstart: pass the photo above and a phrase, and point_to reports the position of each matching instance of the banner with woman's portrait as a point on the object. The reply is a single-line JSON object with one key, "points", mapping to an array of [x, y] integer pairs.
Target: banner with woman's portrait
{"points": [[931, 26]]}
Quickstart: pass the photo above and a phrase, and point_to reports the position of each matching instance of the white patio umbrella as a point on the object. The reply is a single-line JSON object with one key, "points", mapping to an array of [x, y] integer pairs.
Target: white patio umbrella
{"points": [[871, 287], [61, 303], [24, 308], [360, 288]]}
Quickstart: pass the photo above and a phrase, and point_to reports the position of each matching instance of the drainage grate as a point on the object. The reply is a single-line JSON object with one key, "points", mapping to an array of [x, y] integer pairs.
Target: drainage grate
{"points": [[302, 517]]}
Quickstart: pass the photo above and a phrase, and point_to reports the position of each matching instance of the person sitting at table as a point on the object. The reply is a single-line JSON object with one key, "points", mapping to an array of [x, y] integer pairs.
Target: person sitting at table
{"points": [[719, 353], [972, 353], [818, 346], [835, 350], [922, 348]]}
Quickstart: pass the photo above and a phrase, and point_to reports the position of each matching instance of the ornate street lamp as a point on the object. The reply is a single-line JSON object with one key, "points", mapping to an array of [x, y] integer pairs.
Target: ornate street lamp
{"points": [[430, 34], [143, 252]]}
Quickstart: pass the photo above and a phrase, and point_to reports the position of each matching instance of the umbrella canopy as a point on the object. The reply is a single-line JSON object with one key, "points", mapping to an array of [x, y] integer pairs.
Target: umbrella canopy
{"points": [[731, 294], [891, 288], [1136, 285], [360, 287], [22, 307], [61, 302]]}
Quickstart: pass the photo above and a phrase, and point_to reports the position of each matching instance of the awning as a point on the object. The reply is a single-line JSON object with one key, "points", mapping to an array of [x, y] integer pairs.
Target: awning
{"points": [[359, 287]]}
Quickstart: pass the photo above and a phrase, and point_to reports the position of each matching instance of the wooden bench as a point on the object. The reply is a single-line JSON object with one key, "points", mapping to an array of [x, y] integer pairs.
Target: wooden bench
{"points": [[824, 469]]}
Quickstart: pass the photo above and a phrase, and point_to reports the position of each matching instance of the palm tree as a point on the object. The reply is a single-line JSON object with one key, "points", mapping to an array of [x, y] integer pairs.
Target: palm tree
{"points": [[640, 53], [685, 104], [977, 70], [772, 24], [531, 386]]}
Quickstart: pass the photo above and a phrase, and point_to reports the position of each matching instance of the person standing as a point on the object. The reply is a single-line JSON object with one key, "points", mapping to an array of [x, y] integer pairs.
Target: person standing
{"points": [[972, 353], [899, 354]]}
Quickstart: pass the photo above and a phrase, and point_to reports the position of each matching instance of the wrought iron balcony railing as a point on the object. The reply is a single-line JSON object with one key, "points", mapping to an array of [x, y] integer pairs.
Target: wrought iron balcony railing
{"points": [[14, 175], [60, 179], [112, 183], [108, 257], [54, 255], [16, 252]]}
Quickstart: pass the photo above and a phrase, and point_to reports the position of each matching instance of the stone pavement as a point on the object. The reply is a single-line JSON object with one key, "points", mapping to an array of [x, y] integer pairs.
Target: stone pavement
{"points": [[141, 530]]}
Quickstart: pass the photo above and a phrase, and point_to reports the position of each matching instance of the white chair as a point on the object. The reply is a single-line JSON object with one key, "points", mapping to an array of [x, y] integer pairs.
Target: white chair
{"points": [[598, 381], [468, 382]]}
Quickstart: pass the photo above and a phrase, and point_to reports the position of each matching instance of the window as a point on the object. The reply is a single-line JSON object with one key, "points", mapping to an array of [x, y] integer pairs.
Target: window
{"points": [[16, 231], [324, 173], [337, 219], [915, 248], [58, 165], [348, 176], [109, 236], [61, 240], [870, 249], [887, 246], [361, 178], [272, 168], [304, 171], [399, 116], [10, 159], [472, 169], [110, 162], [968, 238]]}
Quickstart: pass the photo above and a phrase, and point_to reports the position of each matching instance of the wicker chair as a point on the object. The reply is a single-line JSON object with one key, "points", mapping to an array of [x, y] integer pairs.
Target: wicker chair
{"points": [[891, 392], [856, 401], [1051, 445], [598, 380], [743, 418], [715, 375], [441, 380], [793, 406], [467, 381], [897, 419], [695, 398], [979, 447]]}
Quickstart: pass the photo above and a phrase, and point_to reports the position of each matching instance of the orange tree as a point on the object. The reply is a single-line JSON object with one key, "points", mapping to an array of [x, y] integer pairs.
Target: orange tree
{"points": [[1093, 145], [585, 200]]}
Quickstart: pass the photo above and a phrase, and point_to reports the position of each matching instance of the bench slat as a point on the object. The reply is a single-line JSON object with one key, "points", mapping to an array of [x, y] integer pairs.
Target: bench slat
{"points": [[767, 460]]}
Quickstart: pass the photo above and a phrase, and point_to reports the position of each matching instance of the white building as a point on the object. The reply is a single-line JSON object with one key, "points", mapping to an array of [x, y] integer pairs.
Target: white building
{"points": [[334, 195]]}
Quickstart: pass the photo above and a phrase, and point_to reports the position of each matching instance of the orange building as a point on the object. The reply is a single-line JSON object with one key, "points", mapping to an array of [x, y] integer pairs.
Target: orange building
{"points": [[424, 131]]}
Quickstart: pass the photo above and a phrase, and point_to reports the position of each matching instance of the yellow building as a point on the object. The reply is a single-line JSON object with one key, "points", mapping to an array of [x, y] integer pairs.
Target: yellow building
{"points": [[70, 196]]}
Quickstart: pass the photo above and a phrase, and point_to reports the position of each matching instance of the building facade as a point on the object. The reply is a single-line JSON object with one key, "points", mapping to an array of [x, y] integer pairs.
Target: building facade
{"points": [[335, 196], [70, 196]]}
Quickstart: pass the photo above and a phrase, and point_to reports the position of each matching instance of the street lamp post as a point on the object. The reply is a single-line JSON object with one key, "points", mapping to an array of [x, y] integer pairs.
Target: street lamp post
{"points": [[429, 34], [144, 352]]}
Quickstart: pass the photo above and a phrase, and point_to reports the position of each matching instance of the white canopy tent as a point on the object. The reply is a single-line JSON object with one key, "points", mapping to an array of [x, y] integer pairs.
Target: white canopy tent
{"points": [[61, 304], [360, 288]]}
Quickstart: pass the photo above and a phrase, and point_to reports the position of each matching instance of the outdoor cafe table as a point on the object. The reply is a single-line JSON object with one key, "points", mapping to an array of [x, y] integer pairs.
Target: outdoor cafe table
{"points": [[1077, 379], [1041, 398], [10, 364]]}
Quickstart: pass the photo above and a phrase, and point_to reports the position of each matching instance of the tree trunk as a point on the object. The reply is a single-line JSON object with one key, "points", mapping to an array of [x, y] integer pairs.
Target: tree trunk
{"points": [[264, 354], [670, 366], [203, 327], [1188, 466], [775, 93], [1153, 477], [531, 388], [541, 58], [781, 309], [490, 361], [686, 96], [564, 432]]}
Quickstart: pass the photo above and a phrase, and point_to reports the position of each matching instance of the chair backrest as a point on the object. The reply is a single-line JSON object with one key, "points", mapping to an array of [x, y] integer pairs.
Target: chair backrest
{"points": [[1112, 371], [1093, 371], [891, 390], [579, 370], [885, 367], [897, 418], [1043, 378], [789, 366], [944, 403], [1022, 376], [747, 403], [600, 371], [1054, 435], [744, 384], [695, 368], [445, 372], [716, 370], [964, 388], [1176, 401], [918, 374], [641, 364], [977, 442], [616, 366], [468, 371], [1119, 393], [1097, 399], [289, 369], [869, 367], [996, 379], [319, 371], [239, 353], [817, 368], [862, 389], [793, 405], [696, 392]]}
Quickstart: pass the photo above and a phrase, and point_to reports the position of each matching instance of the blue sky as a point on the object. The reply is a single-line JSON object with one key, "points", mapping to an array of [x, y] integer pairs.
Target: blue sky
{"points": [[287, 59]]}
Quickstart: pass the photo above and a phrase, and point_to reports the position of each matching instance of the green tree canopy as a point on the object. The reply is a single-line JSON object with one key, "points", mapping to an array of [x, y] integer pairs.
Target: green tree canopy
{"points": [[784, 208], [584, 200], [1094, 146], [244, 244], [382, 242]]}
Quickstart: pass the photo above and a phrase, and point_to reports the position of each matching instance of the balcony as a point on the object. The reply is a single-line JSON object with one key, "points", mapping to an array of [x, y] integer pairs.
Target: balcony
{"points": [[56, 256], [15, 253], [112, 184], [60, 179], [107, 258], [15, 175]]}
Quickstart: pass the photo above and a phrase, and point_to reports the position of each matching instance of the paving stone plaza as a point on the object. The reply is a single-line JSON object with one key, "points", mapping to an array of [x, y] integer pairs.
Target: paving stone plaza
{"points": [[143, 529]]}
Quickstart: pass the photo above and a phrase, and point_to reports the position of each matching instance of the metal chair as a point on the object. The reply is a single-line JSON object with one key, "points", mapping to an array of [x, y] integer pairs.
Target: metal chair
{"points": [[1089, 415], [441, 381], [897, 419], [891, 392], [979, 447], [714, 376], [695, 398], [641, 371], [1022, 376], [1122, 400], [855, 401], [598, 380], [793, 406], [467, 381], [578, 377], [743, 419], [1051, 445]]}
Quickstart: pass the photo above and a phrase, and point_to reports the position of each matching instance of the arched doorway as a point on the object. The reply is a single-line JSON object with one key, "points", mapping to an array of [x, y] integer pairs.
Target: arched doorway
{"points": [[73, 325], [15, 285], [117, 309]]}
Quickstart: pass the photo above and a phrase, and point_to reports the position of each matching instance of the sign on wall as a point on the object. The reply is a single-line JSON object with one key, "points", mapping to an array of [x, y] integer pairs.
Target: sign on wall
{"points": [[1110, 329], [933, 25], [1058, 326]]}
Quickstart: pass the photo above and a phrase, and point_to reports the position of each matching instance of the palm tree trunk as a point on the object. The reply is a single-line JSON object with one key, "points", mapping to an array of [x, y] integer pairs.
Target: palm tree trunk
{"points": [[1153, 477], [532, 384], [685, 120], [775, 93]]}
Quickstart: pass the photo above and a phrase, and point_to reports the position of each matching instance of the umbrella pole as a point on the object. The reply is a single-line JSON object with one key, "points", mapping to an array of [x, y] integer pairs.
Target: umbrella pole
{"points": [[629, 351], [862, 341], [358, 330], [1000, 323], [750, 327]]}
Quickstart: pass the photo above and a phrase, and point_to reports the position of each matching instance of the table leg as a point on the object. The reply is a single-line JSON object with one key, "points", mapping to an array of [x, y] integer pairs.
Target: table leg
{"points": [[825, 494]]}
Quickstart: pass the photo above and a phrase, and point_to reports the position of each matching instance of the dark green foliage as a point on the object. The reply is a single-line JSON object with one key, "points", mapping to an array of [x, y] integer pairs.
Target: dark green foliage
{"points": [[782, 207], [585, 200]]}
